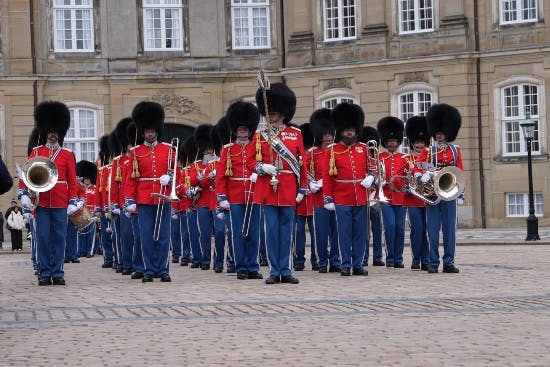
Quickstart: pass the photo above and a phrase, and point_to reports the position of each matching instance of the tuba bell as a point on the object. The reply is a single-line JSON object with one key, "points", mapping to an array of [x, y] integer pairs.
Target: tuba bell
{"points": [[39, 175], [447, 184]]}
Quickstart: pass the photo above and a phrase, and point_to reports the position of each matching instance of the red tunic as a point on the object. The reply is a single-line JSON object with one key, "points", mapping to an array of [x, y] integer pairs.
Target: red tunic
{"points": [[411, 200], [318, 155], [235, 187], [66, 187], [394, 165], [288, 185], [305, 207], [88, 194]]}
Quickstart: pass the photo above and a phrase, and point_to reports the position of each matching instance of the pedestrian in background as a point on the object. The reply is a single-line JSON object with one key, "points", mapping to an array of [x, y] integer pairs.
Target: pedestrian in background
{"points": [[16, 224]]}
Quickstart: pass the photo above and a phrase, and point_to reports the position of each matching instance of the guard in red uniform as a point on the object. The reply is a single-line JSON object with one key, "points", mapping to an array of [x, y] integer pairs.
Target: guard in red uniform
{"points": [[53, 120], [101, 202], [282, 181], [345, 180], [393, 216], [87, 171], [417, 135], [151, 164], [443, 123]]}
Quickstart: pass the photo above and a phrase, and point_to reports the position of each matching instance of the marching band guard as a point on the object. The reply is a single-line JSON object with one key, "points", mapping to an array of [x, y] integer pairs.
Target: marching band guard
{"points": [[393, 216], [151, 165], [101, 202], [324, 220], [281, 181], [374, 217], [71, 243], [181, 246], [417, 134], [87, 171], [443, 122], [53, 120], [235, 187], [112, 198], [304, 214], [31, 217], [345, 180]]}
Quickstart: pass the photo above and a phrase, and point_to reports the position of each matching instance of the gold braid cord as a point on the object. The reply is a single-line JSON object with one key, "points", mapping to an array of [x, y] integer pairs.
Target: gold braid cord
{"points": [[332, 171]]}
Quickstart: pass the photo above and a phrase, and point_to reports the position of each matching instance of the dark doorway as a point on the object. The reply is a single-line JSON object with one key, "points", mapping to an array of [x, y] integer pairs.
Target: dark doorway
{"points": [[172, 130]]}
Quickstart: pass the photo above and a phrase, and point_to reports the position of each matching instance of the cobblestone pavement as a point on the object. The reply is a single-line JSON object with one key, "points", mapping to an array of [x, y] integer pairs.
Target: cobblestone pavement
{"points": [[496, 312]]}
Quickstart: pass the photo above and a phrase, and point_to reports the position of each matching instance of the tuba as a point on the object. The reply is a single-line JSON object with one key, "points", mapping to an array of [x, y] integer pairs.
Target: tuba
{"points": [[447, 184], [39, 175]]}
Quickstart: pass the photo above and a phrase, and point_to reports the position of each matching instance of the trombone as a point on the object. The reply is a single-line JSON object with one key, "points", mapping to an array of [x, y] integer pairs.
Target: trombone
{"points": [[372, 146], [247, 208], [172, 196]]}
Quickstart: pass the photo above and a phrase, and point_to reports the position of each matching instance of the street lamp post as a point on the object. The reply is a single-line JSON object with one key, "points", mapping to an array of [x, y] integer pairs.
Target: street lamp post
{"points": [[528, 128]]}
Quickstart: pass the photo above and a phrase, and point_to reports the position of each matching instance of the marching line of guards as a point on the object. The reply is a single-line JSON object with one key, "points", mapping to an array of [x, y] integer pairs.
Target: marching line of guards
{"points": [[259, 187]]}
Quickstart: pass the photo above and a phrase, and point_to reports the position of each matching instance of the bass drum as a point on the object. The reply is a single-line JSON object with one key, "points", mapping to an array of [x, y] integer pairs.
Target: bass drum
{"points": [[81, 218]]}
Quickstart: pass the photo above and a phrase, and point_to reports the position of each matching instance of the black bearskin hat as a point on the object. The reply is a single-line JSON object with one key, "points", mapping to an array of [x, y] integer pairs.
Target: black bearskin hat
{"points": [[348, 116], [203, 137], [182, 154], [114, 144], [217, 143], [321, 123], [307, 135], [443, 118], [369, 133], [148, 115], [121, 135], [190, 149], [134, 138], [86, 169], [242, 114], [52, 116], [33, 140], [222, 129], [416, 128], [104, 151], [390, 127], [280, 98]]}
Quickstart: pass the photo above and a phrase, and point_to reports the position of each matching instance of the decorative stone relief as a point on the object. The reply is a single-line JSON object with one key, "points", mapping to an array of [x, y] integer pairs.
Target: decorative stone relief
{"points": [[173, 102], [337, 83], [413, 77]]}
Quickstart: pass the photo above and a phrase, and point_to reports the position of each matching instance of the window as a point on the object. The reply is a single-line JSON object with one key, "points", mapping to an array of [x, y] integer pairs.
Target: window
{"points": [[73, 25], [250, 22], [517, 204], [516, 11], [332, 102], [414, 103], [82, 137], [416, 16], [516, 101], [162, 28], [339, 19]]}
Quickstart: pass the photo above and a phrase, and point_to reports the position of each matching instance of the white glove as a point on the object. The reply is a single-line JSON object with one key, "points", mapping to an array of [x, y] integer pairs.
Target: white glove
{"points": [[131, 208], [426, 177], [220, 215], [299, 197], [116, 211], [165, 180], [367, 181], [71, 209], [224, 204], [253, 177], [127, 214], [175, 216], [269, 169], [26, 202], [330, 206], [314, 186], [212, 174]]}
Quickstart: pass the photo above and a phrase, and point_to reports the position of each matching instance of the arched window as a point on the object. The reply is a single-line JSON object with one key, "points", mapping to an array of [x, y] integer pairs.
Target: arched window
{"points": [[331, 97]]}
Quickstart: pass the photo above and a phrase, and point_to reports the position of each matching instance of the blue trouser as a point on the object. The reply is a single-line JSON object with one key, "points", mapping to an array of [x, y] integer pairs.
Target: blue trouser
{"points": [[279, 221], [86, 239], [155, 253], [175, 235], [185, 242], [194, 236], [350, 222], [219, 239], [300, 240], [263, 247], [204, 218], [394, 232], [419, 239], [137, 256], [51, 233], [325, 231], [106, 240], [71, 251], [117, 240], [127, 241], [245, 248], [374, 220], [442, 215]]}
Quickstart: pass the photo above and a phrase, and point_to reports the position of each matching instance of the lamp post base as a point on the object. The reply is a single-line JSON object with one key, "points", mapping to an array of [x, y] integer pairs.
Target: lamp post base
{"points": [[532, 228]]}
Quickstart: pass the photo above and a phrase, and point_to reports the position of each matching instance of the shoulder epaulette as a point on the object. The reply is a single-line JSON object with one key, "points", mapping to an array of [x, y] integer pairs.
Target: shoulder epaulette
{"points": [[228, 145], [295, 128], [163, 143]]}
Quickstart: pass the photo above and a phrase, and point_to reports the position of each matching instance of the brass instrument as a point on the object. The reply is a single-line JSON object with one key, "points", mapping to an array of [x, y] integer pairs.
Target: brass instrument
{"points": [[372, 146], [39, 175], [446, 184], [247, 208]]}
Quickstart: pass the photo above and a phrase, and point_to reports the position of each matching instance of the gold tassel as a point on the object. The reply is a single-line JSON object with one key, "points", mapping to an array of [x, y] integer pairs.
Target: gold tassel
{"points": [[101, 180], [118, 177], [259, 157], [135, 168], [332, 171], [229, 170], [312, 165]]}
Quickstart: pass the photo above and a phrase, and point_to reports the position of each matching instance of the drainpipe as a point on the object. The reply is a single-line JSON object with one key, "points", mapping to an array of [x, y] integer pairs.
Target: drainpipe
{"points": [[479, 118], [33, 53], [283, 46]]}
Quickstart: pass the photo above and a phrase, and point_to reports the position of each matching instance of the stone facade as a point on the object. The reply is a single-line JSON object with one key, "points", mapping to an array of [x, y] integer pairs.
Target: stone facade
{"points": [[463, 61]]}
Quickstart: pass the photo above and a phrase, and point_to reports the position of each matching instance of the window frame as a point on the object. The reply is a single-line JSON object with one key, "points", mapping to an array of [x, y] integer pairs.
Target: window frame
{"points": [[340, 20], [518, 12], [164, 6], [538, 201], [249, 6], [98, 121], [73, 9], [416, 18]]}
